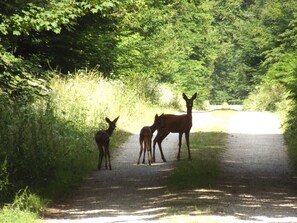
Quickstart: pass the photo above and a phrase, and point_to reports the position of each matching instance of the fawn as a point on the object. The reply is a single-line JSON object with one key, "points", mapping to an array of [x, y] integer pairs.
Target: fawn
{"points": [[175, 124], [102, 141], [145, 140]]}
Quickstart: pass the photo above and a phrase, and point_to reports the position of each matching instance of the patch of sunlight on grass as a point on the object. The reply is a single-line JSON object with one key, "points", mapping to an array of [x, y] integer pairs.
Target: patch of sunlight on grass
{"points": [[207, 142]]}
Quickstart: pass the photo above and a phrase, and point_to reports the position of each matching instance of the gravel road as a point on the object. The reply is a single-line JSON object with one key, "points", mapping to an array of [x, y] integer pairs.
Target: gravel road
{"points": [[256, 184], [256, 176], [128, 193]]}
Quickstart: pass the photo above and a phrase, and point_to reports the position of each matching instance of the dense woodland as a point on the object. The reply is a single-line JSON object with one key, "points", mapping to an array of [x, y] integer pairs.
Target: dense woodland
{"points": [[220, 49], [228, 51]]}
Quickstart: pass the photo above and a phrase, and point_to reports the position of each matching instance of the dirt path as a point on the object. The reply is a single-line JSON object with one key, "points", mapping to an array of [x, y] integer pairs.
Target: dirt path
{"points": [[255, 186], [256, 172], [128, 193]]}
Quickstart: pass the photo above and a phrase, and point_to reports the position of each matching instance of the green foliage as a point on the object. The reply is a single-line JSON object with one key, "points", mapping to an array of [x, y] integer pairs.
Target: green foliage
{"points": [[16, 80], [290, 134], [237, 63], [268, 97], [255, 35], [4, 180], [219, 49], [48, 144], [28, 32], [166, 42], [26, 201], [274, 39], [24, 208]]}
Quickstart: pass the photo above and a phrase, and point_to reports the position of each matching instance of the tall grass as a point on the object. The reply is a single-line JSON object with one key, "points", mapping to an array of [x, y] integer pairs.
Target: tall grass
{"points": [[24, 208], [49, 144]]}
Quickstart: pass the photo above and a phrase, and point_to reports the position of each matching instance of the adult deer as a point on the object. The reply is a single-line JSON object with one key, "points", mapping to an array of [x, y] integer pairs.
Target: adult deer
{"points": [[176, 124], [145, 140], [102, 141]]}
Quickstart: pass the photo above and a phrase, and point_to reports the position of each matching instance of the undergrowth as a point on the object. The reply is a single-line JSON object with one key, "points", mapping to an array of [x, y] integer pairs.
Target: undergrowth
{"points": [[290, 132], [48, 145], [24, 209]]}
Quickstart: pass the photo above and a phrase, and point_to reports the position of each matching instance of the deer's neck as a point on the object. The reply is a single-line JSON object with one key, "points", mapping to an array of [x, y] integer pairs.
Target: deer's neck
{"points": [[189, 116], [109, 131], [189, 112], [153, 128]]}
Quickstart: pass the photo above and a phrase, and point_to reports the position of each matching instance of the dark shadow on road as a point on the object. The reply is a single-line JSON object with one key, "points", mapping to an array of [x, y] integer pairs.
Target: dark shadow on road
{"points": [[252, 185], [133, 192]]}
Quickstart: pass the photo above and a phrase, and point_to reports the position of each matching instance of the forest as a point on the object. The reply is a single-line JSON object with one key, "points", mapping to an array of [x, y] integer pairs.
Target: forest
{"points": [[67, 64]]}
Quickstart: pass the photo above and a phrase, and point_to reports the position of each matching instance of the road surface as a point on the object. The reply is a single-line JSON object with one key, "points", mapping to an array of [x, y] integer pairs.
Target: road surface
{"points": [[256, 183]]}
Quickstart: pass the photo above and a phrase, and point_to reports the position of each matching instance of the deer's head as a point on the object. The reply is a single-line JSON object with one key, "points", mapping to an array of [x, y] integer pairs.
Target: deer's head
{"points": [[189, 101], [159, 121], [111, 124]]}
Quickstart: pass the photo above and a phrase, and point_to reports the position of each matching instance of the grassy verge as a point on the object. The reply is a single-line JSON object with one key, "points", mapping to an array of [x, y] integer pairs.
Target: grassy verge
{"points": [[203, 170], [24, 208], [292, 148], [199, 176]]}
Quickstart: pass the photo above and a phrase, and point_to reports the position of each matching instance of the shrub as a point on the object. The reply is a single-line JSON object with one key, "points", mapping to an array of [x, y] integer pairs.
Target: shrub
{"points": [[49, 144], [24, 208]]}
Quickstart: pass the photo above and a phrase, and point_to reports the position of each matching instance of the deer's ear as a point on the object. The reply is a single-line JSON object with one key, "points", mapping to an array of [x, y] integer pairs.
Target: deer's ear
{"points": [[156, 116], [116, 119], [194, 96], [107, 120], [185, 96]]}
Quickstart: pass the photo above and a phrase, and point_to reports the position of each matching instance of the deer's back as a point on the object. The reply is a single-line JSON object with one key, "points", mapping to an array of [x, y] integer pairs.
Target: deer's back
{"points": [[177, 123], [145, 133], [101, 137]]}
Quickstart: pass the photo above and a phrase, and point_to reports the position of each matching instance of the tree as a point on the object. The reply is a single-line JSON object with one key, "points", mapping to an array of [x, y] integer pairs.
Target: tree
{"points": [[167, 41], [28, 33]]}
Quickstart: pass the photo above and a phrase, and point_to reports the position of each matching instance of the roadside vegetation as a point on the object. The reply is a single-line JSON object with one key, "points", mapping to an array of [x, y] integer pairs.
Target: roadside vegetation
{"points": [[49, 144]]}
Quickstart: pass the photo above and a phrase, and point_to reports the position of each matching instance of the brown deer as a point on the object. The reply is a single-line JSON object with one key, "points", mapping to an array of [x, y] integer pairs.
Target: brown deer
{"points": [[102, 141], [145, 140], [176, 124]]}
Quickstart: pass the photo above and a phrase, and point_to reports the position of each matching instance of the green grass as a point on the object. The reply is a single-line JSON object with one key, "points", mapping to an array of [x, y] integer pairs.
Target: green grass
{"points": [[24, 208], [207, 143], [203, 170], [192, 184]]}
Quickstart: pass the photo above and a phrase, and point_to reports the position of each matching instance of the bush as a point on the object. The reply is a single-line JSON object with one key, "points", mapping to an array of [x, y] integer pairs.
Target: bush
{"points": [[268, 97], [24, 208]]}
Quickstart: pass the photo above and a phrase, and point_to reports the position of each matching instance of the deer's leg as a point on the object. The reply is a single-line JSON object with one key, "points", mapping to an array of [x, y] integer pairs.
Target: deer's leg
{"points": [[141, 149], [100, 157], [180, 136], [154, 148], [144, 151], [159, 141], [107, 156], [188, 144], [149, 152]]}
